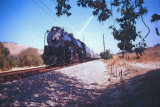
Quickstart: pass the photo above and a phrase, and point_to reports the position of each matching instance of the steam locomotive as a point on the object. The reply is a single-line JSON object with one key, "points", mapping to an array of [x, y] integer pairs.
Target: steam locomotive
{"points": [[64, 49]]}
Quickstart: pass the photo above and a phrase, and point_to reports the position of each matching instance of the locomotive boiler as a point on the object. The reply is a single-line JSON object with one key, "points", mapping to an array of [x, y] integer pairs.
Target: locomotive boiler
{"points": [[63, 48]]}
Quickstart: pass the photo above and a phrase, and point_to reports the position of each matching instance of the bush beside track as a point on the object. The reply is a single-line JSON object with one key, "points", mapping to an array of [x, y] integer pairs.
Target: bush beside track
{"points": [[26, 58]]}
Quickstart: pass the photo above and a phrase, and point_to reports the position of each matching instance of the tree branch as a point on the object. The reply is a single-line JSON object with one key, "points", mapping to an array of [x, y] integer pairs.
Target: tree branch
{"points": [[146, 26]]}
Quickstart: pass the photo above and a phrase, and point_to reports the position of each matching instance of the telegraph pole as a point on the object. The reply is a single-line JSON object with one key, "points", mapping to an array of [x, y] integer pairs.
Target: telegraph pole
{"points": [[103, 43]]}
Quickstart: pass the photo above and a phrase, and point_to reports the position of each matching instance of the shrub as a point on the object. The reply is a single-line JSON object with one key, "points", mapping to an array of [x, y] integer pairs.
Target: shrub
{"points": [[14, 61], [4, 57], [106, 55], [157, 45], [30, 57], [121, 56]]}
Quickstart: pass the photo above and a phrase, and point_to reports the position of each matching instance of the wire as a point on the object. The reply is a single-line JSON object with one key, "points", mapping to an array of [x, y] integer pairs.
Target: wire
{"points": [[46, 6], [53, 13], [42, 9], [59, 21], [112, 14], [70, 23]]}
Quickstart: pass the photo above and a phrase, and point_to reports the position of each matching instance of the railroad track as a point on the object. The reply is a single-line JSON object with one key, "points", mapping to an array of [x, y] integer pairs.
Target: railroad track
{"points": [[19, 74]]}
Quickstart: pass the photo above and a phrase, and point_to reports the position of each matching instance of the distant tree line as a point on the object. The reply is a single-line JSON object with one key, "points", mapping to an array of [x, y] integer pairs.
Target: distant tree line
{"points": [[158, 44], [9, 42], [28, 57]]}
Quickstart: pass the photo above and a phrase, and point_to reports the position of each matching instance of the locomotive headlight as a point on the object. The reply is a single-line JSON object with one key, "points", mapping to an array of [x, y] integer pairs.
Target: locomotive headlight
{"points": [[54, 29], [56, 37], [53, 38]]}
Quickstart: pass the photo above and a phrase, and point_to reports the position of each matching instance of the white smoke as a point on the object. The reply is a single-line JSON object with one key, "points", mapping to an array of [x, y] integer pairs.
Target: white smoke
{"points": [[85, 26]]}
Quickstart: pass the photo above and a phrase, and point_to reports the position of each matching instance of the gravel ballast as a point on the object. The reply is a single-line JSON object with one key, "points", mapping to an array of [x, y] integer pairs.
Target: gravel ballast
{"points": [[77, 85]]}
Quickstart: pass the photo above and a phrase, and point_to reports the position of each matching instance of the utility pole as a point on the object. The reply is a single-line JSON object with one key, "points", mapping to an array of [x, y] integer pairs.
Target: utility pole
{"points": [[103, 43]]}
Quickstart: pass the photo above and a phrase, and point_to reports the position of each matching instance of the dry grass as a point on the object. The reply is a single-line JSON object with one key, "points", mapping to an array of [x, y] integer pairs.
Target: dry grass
{"points": [[150, 54], [140, 86], [112, 62], [150, 59]]}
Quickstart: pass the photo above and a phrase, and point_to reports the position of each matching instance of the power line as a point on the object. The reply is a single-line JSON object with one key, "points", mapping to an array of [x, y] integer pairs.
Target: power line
{"points": [[53, 1], [71, 24], [59, 20], [42, 9], [51, 12], [46, 6], [46, 12], [65, 17], [112, 14]]}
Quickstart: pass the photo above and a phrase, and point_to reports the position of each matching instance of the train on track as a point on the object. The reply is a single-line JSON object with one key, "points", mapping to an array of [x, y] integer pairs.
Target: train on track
{"points": [[63, 48]]}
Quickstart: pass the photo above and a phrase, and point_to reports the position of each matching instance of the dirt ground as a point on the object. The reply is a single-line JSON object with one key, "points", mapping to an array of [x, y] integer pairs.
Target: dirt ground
{"points": [[133, 84], [104, 83]]}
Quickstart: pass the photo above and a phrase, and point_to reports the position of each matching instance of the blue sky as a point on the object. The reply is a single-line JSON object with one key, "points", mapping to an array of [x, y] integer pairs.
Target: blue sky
{"points": [[25, 22]]}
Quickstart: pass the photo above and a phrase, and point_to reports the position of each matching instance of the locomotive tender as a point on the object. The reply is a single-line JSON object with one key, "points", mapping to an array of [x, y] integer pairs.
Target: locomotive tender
{"points": [[63, 48]]}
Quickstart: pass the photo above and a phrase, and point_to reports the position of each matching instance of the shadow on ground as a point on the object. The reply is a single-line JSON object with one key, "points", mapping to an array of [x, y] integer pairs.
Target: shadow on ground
{"points": [[140, 91], [56, 89], [47, 89]]}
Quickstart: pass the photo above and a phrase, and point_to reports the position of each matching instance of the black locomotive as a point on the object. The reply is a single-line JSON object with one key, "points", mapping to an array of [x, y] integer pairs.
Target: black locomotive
{"points": [[63, 48]]}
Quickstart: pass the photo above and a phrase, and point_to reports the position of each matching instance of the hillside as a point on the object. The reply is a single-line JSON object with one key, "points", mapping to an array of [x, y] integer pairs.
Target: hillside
{"points": [[150, 54], [15, 48]]}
